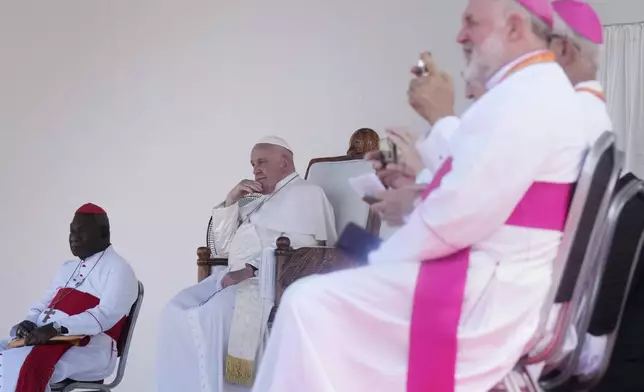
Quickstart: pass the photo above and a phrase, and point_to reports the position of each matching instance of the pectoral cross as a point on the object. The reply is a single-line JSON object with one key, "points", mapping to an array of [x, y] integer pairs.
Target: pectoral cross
{"points": [[48, 314]]}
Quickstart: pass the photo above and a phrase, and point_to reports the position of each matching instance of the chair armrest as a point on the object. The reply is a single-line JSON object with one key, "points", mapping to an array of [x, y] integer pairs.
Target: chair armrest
{"points": [[293, 264], [205, 262]]}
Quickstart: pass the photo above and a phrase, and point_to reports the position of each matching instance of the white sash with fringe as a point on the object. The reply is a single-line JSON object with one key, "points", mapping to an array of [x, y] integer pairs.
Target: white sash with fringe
{"points": [[253, 305]]}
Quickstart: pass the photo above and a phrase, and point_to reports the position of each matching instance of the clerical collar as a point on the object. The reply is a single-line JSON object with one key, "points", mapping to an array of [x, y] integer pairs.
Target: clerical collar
{"points": [[503, 72], [592, 87], [96, 256], [590, 84]]}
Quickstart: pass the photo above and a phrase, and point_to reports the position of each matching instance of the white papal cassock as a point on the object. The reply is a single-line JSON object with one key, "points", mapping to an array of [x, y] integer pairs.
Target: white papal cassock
{"points": [[350, 330], [195, 327], [89, 297]]}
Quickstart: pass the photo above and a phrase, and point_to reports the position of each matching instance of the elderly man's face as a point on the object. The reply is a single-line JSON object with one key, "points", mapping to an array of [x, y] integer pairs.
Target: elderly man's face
{"points": [[269, 165], [85, 237], [482, 38]]}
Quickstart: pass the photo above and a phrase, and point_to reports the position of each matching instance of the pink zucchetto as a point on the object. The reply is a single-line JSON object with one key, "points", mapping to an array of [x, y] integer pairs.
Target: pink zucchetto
{"points": [[539, 8], [581, 18]]}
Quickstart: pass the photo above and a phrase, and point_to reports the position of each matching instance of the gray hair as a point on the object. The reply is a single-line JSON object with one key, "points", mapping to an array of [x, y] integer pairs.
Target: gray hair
{"points": [[590, 51], [539, 27]]}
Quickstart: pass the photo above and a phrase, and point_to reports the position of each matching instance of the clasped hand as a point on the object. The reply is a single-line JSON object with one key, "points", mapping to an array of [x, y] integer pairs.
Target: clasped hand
{"points": [[35, 335], [25, 328], [242, 189]]}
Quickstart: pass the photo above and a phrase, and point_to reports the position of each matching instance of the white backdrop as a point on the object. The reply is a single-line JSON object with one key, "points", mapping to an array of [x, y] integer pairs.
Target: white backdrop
{"points": [[149, 108]]}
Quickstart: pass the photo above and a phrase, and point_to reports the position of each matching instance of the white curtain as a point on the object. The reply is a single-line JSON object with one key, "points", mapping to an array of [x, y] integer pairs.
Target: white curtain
{"points": [[622, 74]]}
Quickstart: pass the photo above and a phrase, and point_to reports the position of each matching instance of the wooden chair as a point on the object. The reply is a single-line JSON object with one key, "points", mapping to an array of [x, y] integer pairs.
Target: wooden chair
{"points": [[331, 174]]}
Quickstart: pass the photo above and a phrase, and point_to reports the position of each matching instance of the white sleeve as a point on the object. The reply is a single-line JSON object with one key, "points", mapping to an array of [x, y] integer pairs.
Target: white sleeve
{"points": [[225, 221], [476, 197], [435, 148], [120, 293]]}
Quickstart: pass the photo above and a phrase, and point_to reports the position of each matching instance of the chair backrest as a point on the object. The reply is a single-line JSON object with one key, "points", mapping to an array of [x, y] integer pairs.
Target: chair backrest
{"points": [[332, 175], [581, 240], [625, 225], [621, 253], [123, 345]]}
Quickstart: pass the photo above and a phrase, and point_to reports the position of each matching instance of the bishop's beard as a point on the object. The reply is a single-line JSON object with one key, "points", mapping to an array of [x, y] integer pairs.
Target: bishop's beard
{"points": [[485, 60]]}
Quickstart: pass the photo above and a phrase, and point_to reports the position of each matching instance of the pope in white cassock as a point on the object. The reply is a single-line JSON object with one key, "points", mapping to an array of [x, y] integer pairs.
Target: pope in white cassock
{"points": [[209, 334], [90, 296], [453, 299]]}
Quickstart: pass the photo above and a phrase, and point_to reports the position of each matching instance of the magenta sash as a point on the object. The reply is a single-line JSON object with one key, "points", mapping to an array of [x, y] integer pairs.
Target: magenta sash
{"points": [[440, 288]]}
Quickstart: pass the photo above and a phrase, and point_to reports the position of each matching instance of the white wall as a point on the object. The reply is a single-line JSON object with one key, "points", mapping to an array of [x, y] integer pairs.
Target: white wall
{"points": [[150, 107], [619, 11]]}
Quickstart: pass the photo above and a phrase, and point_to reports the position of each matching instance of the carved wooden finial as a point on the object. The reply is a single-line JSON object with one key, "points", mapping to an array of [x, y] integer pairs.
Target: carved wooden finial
{"points": [[283, 243], [203, 253], [362, 141]]}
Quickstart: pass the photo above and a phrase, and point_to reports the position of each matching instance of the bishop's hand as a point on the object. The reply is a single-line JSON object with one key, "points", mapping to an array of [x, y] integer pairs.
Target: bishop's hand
{"points": [[393, 175], [25, 328], [242, 189], [431, 94], [41, 335], [408, 155]]}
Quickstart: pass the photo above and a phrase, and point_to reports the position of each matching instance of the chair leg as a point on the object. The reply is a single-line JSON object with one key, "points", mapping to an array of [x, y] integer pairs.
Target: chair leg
{"points": [[510, 383], [531, 385]]}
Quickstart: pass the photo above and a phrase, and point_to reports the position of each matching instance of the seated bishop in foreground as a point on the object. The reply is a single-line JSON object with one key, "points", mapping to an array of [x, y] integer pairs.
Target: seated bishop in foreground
{"points": [[209, 333], [90, 296], [453, 299]]}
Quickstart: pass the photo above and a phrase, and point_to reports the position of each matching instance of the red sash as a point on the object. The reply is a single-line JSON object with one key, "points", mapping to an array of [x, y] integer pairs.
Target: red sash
{"points": [[440, 288], [38, 367]]}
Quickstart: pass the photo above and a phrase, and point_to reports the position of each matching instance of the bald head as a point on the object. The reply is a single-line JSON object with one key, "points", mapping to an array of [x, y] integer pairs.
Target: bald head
{"points": [[495, 32], [271, 164]]}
